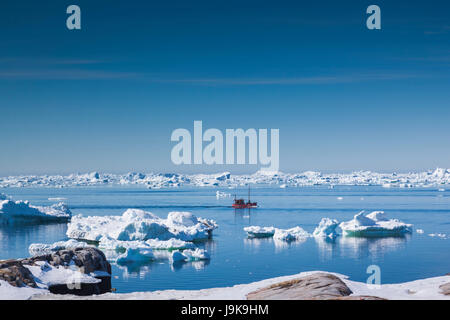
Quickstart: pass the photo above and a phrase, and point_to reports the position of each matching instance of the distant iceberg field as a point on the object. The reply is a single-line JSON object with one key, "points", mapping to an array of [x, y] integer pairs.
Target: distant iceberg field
{"points": [[432, 178]]}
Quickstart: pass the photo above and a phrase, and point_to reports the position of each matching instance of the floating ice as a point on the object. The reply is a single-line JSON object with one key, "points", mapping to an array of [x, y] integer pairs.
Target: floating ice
{"points": [[220, 195], [419, 231], [326, 228], [374, 224], [259, 232], [190, 255], [292, 234], [438, 235], [23, 211], [135, 255], [41, 248], [439, 178], [141, 225], [106, 243]]}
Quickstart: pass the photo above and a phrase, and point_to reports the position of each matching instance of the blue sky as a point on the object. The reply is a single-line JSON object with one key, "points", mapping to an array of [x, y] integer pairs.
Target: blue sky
{"points": [[107, 97]]}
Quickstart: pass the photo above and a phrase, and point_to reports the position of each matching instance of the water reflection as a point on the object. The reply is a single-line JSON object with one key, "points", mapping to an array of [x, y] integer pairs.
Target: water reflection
{"points": [[280, 245], [16, 238], [357, 248]]}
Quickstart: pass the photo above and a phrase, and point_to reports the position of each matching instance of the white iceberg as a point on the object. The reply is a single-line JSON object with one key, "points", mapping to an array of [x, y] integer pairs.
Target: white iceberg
{"points": [[190, 255], [374, 224], [22, 211], [135, 255], [141, 225], [293, 234], [326, 228], [106, 243], [41, 248], [259, 232]]}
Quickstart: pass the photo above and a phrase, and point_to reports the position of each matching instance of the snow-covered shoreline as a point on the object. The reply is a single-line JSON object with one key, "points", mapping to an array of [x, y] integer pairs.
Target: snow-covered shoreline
{"points": [[424, 289], [432, 178]]}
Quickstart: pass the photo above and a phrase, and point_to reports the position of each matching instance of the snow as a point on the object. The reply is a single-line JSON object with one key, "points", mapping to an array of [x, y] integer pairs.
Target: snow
{"points": [[140, 225], [424, 289], [374, 224], [259, 232], [326, 228], [41, 248], [437, 178], [23, 211], [9, 292]]}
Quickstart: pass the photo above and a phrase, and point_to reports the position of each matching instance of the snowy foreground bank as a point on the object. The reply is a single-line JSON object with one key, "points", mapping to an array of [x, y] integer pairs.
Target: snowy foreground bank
{"points": [[432, 178], [430, 288]]}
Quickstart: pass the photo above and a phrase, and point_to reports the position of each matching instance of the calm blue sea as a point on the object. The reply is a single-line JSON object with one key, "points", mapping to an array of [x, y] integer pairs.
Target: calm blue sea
{"points": [[236, 259]]}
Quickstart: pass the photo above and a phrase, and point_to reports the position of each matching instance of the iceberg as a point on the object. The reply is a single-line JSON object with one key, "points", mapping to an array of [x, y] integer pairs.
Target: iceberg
{"points": [[135, 255], [22, 211], [41, 248], [326, 228], [374, 224], [140, 225], [106, 243], [190, 255], [259, 232], [293, 234]]}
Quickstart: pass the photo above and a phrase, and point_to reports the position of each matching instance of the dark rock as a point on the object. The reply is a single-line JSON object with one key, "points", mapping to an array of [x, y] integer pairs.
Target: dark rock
{"points": [[16, 274], [318, 286], [88, 260], [445, 289]]}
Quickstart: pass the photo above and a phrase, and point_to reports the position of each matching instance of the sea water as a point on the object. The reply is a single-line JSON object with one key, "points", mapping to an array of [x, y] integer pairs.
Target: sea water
{"points": [[235, 259]]}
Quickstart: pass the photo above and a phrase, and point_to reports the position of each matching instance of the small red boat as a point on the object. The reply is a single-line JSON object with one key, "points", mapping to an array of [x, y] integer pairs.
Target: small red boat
{"points": [[241, 204]]}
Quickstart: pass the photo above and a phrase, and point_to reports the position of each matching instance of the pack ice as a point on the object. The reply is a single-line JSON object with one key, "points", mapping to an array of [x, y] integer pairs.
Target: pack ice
{"points": [[375, 224], [292, 234], [23, 211], [139, 225]]}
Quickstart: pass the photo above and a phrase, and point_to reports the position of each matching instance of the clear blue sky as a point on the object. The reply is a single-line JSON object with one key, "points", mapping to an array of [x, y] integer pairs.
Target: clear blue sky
{"points": [[107, 97]]}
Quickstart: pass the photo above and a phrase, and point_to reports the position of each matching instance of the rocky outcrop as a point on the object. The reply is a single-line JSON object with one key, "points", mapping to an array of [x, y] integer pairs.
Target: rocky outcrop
{"points": [[13, 272], [318, 286], [90, 261], [445, 289]]}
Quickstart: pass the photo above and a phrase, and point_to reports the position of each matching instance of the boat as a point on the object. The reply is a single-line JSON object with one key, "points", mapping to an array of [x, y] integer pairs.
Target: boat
{"points": [[241, 204]]}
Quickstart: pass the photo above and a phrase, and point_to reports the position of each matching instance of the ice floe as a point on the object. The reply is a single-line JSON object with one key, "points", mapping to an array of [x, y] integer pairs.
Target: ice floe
{"points": [[374, 224], [137, 224], [293, 234], [220, 195], [259, 232], [11, 211], [190, 255], [41, 248], [327, 228], [436, 178], [133, 255]]}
